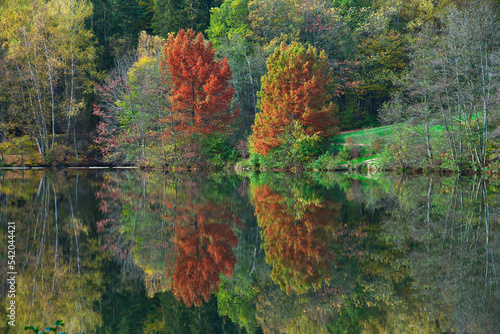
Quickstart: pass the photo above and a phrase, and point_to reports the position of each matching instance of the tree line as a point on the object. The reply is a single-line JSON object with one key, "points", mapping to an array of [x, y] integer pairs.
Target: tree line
{"points": [[201, 83]]}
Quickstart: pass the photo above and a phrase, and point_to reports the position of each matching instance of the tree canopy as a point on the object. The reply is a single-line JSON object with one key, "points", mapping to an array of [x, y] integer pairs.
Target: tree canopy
{"points": [[296, 88]]}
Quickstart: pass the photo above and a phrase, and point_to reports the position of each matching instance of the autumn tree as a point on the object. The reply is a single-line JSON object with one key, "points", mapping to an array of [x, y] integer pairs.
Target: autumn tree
{"points": [[131, 104], [247, 32], [159, 102], [296, 88], [200, 93]]}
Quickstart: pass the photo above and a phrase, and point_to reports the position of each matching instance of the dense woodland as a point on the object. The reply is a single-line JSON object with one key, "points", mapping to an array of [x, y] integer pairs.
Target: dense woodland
{"points": [[268, 83]]}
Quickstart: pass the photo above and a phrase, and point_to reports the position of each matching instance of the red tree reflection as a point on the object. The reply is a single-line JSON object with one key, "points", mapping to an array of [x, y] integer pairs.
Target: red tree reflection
{"points": [[204, 241]]}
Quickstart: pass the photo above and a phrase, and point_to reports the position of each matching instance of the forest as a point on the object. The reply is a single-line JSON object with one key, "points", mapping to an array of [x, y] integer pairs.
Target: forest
{"points": [[267, 84]]}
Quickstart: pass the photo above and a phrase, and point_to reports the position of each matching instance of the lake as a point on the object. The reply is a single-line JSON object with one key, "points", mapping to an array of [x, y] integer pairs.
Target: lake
{"points": [[110, 251]]}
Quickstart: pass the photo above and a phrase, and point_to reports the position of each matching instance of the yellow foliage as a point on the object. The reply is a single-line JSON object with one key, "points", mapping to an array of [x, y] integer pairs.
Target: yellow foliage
{"points": [[150, 46]]}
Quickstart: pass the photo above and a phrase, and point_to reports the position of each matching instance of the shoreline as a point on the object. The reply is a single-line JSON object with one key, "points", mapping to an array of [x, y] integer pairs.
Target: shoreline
{"points": [[369, 166]]}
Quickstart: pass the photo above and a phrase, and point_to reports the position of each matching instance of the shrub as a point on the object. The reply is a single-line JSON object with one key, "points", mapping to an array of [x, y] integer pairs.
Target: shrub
{"points": [[297, 150], [58, 154], [254, 160], [18, 145], [325, 162], [217, 150], [345, 153], [279, 158], [242, 148], [355, 152], [304, 147], [377, 145]]}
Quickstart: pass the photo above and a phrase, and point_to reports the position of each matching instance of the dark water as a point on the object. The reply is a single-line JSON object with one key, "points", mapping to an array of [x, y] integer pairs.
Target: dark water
{"points": [[134, 252]]}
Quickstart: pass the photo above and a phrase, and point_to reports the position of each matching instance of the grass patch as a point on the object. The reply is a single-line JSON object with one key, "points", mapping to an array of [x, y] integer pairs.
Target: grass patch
{"points": [[358, 160], [366, 135]]}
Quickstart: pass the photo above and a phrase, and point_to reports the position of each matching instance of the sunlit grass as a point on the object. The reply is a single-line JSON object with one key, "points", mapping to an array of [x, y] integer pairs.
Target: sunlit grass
{"points": [[366, 135]]}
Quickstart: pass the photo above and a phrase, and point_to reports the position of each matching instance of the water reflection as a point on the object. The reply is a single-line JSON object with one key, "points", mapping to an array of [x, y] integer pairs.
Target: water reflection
{"points": [[449, 232], [58, 265], [134, 252], [298, 227], [179, 231], [204, 242]]}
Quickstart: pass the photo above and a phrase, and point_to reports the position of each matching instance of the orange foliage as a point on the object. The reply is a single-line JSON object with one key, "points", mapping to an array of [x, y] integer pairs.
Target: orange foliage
{"points": [[297, 246], [295, 88], [199, 85], [204, 244]]}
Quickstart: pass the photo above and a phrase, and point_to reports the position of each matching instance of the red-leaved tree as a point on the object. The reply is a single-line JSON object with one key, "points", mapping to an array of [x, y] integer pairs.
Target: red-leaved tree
{"points": [[200, 93], [295, 88]]}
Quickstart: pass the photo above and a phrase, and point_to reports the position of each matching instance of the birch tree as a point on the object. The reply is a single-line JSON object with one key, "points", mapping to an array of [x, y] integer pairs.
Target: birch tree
{"points": [[52, 53]]}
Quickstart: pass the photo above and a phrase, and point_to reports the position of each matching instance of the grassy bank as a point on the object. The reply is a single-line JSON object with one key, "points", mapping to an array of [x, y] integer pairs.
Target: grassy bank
{"points": [[402, 147]]}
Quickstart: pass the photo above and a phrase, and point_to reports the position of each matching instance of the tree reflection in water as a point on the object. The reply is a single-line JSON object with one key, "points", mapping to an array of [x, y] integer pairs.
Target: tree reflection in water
{"points": [[298, 229], [204, 242], [58, 265], [123, 252]]}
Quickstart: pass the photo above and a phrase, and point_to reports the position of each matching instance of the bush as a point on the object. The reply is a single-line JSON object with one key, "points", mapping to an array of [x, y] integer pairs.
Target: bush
{"points": [[58, 154], [254, 160], [377, 145], [23, 147], [18, 145], [242, 148], [217, 150], [277, 159], [297, 150], [306, 147], [334, 148], [325, 162], [345, 153], [355, 152]]}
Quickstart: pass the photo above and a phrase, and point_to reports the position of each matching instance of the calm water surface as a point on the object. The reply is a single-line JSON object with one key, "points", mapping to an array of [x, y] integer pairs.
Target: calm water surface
{"points": [[135, 252]]}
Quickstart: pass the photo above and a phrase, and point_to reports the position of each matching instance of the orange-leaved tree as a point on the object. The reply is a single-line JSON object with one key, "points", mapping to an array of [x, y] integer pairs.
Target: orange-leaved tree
{"points": [[296, 88], [200, 93]]}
